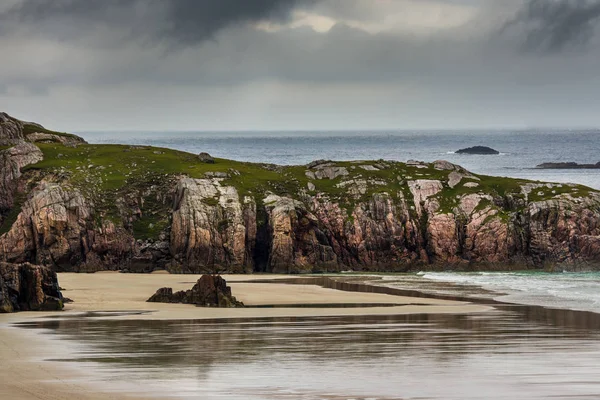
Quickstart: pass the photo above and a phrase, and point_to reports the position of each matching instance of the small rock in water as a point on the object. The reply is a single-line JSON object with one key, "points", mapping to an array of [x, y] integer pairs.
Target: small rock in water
{"points": [[479, 150]]}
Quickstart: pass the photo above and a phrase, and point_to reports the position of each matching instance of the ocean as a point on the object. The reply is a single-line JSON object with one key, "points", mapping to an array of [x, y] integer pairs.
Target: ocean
{"points": [[520, 151]]}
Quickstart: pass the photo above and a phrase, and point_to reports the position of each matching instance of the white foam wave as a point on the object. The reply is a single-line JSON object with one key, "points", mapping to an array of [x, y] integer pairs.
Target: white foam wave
{"points": [[564, 290]]}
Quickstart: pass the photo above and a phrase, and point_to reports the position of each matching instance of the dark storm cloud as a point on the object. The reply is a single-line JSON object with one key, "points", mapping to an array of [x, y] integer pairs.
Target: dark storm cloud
{"points": [[551, 26], [176, 22]]}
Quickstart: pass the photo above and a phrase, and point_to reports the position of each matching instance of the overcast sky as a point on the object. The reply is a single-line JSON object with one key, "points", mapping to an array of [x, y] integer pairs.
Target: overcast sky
{"points": [[300, 64]]}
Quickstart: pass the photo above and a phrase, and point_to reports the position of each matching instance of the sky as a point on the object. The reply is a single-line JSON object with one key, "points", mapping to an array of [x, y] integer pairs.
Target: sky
{"points": [[85, 65]]}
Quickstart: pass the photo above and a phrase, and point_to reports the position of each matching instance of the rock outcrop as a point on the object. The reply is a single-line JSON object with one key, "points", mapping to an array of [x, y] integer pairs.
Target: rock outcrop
{"points": [[480, 150], [11, 130], [209, 227], [206, 158], [568, 165], [14, 131], [11, 162], [209, 291], [56, 228], [27, 287], [42, 137]]}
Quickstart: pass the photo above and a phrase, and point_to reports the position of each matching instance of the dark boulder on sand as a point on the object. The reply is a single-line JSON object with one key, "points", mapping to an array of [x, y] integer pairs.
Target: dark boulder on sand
{"points": [[480, 150], [209, 291]]}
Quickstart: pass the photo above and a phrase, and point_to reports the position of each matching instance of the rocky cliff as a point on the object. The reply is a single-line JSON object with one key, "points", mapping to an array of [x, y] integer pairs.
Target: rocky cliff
{"points": [[94, 207]]}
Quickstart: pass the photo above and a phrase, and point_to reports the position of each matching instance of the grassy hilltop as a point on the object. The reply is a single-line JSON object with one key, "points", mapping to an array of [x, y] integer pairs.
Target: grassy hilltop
{"points": [[106, 172]]}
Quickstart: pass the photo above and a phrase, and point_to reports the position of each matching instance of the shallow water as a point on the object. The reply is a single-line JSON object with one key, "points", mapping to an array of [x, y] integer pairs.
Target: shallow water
{"points": [[579, 291], [513, 352]]}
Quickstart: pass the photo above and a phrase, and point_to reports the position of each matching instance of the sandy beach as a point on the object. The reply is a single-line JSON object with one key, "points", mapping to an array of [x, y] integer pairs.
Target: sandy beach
{"points": [[26, 375]]}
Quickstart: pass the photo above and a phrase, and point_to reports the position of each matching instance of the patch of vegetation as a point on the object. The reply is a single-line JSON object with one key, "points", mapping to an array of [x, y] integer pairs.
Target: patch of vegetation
{"points": [[104, 173], [12, 215], [546, 193], [483, 204], [222, 225], [211, 201], [149, 226], [386, 178]]}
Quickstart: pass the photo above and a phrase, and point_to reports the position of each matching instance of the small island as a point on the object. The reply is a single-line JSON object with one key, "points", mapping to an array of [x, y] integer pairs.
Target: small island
{"points": [[478, 150], [568, 165]]}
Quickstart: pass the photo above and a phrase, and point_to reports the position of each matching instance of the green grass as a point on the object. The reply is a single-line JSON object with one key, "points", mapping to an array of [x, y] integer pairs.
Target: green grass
{"points": [[483, 204], [104, 173], [545, 193]]}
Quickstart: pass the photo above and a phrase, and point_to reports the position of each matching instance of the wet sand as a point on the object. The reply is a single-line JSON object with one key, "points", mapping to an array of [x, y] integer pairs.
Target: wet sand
{"points": [[27, 374], [501, 355]]}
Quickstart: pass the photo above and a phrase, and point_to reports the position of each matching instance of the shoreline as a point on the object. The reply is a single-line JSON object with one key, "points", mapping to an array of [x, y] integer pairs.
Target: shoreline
{"points": [[28, 374]]}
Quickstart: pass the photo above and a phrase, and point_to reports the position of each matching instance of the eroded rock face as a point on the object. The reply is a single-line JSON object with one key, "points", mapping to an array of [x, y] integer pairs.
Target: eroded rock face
{"points": [[214, 230], [11, 162], [209, 231], [422, 189], [56, 228], [385, 217], [297, 243], [564, 231], [11, 130], [27, 287], [49, 229], [209, 291]]}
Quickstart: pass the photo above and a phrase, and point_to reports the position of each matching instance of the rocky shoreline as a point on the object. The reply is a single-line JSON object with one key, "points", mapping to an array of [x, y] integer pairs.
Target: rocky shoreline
{"points": [[83, 208]]}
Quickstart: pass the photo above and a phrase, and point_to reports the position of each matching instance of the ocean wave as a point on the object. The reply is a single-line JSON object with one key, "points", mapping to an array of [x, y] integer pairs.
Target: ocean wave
{"points": [[579, 291]]}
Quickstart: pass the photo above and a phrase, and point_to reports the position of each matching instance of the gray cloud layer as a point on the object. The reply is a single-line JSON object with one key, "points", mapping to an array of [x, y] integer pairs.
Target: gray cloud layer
{"points": [[557, 25], [175, 22], [545, 25], [110, 55]]}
